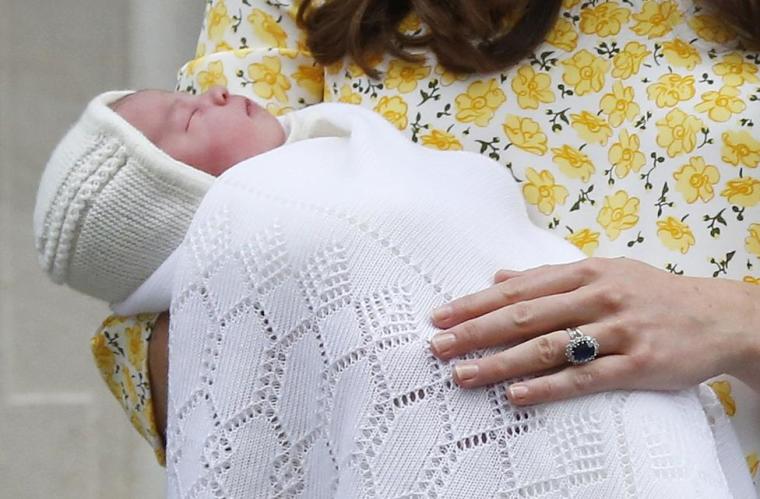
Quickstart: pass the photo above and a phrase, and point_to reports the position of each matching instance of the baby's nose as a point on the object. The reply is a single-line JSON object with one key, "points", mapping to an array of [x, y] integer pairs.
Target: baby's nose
{"points": [[219, 95]]}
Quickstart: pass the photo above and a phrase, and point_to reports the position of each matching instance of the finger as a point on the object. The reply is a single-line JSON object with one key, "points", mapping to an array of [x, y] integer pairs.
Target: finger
{"points": [[504, 274], [529, 358], [541, 281], [602, 374], [518, 322]]}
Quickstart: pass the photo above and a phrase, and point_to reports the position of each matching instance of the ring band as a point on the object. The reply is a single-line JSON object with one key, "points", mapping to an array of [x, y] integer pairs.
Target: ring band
{"points": [[582, 348]]}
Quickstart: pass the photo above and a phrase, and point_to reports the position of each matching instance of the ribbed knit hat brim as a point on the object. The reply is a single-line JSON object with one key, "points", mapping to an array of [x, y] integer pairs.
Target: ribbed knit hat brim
{"points": [[111, 206]]}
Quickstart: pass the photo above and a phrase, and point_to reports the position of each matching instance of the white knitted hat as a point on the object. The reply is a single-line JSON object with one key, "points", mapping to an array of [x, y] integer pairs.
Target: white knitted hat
{"points": [[111, 206]]}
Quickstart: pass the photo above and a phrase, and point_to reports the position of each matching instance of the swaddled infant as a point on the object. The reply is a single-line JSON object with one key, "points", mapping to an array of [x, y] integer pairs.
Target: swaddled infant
{"points": [[341, 386], [121, 188]]}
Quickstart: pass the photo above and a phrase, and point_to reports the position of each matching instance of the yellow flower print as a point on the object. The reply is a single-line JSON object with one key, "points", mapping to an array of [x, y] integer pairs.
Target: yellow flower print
{"points": [[410, 24], [311, 78], [268, 79], [135, 346], [619, 104], [113, 321], [526, 134], [740, 148], [591, 127], [444, 141], [532, 88], [753, 462], [213, 75], [620, 212], [721, 105], [200, 51], [755, 281], [573, 162], [404, 75], [539, 189], [129, 387], [335, 67], [348, 96], [681, 54], [479, 103], [222, 47], [393, 109], [656, 18], [711, 28], [627, 62], [670, 89], [752, 242], [722, 390], [677, 131], [585, 240], [585, 72], [569, 4], [675, 234], [104, 357], [742, 191], [277, 109], [563, 35], [625, 155], [134, 418], [696, 179], [736, 71], [447, 77], [267, 29], [605, 19], [218, 21]]}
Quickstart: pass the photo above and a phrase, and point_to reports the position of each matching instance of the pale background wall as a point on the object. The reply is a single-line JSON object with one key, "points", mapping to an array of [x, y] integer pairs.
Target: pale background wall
{"points": [[61, 433]]}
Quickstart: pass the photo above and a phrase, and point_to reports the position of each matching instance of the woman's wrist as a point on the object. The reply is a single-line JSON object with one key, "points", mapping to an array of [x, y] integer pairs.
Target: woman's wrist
{"points": [[744, 313]]}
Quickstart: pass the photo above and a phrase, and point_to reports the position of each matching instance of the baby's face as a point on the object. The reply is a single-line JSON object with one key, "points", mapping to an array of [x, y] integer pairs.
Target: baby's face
{"points": [[212, 131]]}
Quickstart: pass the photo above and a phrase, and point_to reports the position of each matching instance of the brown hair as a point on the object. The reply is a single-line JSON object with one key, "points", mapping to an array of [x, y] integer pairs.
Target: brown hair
{"points": [[466, 35]]}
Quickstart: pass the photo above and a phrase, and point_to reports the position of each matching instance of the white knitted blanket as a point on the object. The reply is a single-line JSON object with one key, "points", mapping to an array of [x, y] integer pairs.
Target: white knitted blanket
{"points": [[299, 363]]}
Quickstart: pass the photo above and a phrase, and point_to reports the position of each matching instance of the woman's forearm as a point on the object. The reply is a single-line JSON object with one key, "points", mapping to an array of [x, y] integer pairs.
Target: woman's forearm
{"points": [[158, 369], [746, 344]]}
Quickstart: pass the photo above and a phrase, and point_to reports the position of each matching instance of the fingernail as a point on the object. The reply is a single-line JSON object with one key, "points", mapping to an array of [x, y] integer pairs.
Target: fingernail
{"points": [[442, 342], [518, 391], [465, 372], [442, 313]]}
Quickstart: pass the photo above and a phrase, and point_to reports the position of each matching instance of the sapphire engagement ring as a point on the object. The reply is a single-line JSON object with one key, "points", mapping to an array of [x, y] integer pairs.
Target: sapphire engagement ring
{"points": [[582, 348]]}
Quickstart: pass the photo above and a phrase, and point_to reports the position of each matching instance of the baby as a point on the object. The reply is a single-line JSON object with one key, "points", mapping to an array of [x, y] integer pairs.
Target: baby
{"points": [[111, 205], [300, 306], [210, 132]]}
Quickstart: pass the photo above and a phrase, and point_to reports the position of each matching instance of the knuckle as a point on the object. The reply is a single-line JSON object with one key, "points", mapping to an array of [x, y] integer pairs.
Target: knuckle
{"points": [[620, 331], [611, 297], [584, 379], [589, 268], [509, 292], [467, 334], [547, 389], [639, 361], [547, 352], [463, 305], [501, 366], [522, 315]]}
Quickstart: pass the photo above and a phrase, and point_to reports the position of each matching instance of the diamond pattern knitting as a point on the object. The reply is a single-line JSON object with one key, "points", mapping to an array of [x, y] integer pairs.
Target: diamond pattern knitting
{"points": [[299, 364]]}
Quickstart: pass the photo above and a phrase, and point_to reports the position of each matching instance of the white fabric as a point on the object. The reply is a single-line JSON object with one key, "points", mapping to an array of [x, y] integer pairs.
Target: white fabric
{"points": [[299, 363], [111, 206]]}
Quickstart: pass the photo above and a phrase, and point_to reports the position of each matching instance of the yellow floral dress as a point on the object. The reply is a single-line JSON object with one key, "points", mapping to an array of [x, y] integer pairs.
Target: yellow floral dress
{"points": [[634, 130]]}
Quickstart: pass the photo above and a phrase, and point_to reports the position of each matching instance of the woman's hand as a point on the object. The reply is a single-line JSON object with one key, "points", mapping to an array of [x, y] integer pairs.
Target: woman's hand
{"points": [[655, 330]]}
